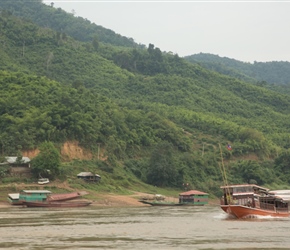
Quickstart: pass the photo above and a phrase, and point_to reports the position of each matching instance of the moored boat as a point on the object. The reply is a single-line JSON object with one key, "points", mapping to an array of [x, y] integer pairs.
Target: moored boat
{"points": [[160, 203], [249, 200], [41, 195], [57, 204], [189, 198]]}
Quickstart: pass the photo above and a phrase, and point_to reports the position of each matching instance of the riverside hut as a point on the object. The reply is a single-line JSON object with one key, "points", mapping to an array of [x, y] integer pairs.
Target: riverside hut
{"points": [[89, 177]]}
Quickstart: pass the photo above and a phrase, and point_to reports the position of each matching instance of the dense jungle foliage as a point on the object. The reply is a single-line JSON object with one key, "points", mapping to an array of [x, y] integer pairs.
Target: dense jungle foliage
{"points": [[155, 115]]}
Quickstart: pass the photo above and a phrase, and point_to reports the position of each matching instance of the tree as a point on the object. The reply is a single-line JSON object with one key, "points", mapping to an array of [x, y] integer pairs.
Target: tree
{"points": [[162, 171], [19, 156], [47, 162], [95, 43], [282, 165]]}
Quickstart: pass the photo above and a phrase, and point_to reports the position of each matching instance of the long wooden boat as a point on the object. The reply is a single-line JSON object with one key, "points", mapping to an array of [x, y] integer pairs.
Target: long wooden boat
{"points": [[14, 197], [57, 204], [167, 203], [240, 211], [160, 203], [188, 198], [248, 200]]}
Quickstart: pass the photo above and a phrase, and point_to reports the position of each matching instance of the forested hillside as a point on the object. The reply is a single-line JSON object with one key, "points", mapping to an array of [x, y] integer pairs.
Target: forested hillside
{"points": [[154, 114], [277, 73], [64, 23]]}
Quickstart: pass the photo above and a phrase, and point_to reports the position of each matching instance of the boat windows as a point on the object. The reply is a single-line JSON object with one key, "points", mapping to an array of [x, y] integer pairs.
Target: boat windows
{"points": [[248, 189]]}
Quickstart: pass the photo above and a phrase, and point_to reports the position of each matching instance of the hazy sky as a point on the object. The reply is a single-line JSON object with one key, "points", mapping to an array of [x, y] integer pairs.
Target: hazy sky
{"points": [[243, 30]]}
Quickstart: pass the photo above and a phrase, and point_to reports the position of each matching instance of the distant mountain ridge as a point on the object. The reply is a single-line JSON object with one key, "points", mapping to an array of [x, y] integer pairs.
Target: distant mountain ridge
{"points": [[277, 73]]}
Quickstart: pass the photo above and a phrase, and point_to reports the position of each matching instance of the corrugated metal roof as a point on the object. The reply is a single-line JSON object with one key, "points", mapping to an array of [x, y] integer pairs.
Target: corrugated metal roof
{"points": [[14, 196], [278, 192], [283, 197], [13, 159], [36, 191], [282, 194], [245, 185], [83, 174], [193, 192]]}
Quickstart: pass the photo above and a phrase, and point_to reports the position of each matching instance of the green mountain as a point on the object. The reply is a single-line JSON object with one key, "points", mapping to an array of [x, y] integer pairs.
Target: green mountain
{"points": [[277, 73], [155, 115], [64, 23]]}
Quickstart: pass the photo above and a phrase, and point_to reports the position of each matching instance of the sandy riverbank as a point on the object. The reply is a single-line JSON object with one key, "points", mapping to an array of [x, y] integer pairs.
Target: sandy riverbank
{"points": [[120, 200]]}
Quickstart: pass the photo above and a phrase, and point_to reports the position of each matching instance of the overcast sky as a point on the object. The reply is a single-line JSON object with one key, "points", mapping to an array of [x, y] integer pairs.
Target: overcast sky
{"points": [[243, 30]]}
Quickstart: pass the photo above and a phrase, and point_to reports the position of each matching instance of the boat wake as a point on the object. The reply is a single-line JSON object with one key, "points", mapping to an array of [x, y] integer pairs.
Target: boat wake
{"points": [[221, 216], [265, 217]]}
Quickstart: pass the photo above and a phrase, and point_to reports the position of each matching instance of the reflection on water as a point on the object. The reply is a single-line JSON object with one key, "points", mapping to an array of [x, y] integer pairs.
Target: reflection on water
{"points": [[139, 228]]}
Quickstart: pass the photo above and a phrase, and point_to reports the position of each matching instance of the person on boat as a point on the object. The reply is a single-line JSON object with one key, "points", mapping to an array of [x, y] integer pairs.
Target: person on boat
{"points": [[249, 202], [235, 201], [229, 199], [256, 202]]}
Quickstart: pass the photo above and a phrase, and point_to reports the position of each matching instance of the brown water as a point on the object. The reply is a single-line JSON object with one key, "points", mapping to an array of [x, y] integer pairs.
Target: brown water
{"points": [[138, 228]]}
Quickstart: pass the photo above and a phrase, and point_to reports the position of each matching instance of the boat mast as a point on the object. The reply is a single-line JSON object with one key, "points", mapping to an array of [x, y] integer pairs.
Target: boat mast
{"points": [[224, 176]]}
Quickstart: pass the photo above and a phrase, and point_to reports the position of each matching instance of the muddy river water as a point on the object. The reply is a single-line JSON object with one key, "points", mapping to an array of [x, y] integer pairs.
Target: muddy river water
{"points": [[138, 228]]}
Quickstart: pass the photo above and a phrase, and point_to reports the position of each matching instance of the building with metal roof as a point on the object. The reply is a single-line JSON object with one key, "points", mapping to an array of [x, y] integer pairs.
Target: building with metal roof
{"points": [[88, 176]]}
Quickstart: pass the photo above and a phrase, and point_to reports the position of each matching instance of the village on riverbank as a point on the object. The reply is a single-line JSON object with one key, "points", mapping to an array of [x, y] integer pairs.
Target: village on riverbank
{"points": [[103, 199], [99, 190]]}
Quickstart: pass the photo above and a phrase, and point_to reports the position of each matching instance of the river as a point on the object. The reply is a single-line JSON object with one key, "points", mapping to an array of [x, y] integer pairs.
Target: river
{"points": [[206, 227]]}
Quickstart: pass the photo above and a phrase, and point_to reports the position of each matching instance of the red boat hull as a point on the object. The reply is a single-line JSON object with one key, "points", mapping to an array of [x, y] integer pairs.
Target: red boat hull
{"points": [[240, 211], [57, 204]]}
